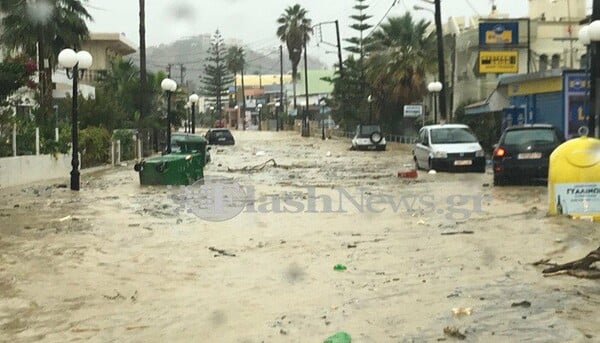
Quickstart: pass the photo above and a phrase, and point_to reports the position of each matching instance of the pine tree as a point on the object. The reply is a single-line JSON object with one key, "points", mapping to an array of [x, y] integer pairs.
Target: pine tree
{"points": [[350, 91], [216, 78]]}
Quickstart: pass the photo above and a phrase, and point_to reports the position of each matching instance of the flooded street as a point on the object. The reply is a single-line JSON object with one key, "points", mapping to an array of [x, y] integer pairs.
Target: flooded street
{"points": [[121, 262]]}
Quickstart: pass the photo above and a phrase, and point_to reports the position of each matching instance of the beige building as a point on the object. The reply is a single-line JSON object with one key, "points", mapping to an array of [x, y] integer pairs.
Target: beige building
{"points": [[103, 47], [551, 25]]}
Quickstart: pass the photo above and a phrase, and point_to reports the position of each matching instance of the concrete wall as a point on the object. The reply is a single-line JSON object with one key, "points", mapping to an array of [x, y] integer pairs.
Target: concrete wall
{"points": [[15, 171]]}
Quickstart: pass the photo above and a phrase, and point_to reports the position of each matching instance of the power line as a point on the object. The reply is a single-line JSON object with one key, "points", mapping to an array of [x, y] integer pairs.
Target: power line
{"points": [[382, 18], [472, 7]]}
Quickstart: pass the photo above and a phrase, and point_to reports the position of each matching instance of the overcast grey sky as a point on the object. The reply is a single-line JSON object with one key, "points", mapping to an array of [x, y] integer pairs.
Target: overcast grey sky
{"points": [[253, 21]]}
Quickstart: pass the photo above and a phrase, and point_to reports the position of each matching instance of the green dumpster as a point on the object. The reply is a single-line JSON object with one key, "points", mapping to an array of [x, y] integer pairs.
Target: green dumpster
{"points": [[182, 167]]}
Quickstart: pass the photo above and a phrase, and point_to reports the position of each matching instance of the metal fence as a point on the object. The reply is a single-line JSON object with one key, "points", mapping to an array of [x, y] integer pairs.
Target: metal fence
{"points": [[389, 138]]}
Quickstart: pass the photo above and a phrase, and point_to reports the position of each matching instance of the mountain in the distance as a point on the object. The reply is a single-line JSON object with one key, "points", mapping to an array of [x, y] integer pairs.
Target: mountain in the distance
{"points": [[192, 52]]}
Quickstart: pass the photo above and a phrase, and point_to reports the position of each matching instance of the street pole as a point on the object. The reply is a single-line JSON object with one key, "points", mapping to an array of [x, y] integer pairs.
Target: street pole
{"points": [[594, 73], [440, 53], [193, 117], [74, 134], [168, 122], [306, 125], [339, 47], [435, 108], [280, 86]]}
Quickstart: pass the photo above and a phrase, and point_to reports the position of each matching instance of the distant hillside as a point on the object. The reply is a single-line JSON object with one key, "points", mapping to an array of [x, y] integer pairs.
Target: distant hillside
{"points": [[192, 52]]}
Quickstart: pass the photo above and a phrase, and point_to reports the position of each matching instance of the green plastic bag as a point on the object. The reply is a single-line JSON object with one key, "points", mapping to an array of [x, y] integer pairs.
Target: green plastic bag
{"points": [[340, 337]]}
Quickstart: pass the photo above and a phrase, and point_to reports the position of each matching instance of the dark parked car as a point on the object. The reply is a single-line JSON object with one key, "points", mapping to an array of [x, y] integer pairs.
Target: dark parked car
{"points": [[219, 136], [523, 152]]}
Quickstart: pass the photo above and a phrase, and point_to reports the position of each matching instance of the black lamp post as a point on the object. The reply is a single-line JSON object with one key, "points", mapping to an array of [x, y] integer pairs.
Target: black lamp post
{"points": [[169, 86], [193, 101], [75, 63]]}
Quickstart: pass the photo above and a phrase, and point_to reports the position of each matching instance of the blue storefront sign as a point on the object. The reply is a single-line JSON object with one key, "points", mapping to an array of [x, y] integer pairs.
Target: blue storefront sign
{"points": [[499, 33], [576, 88]]}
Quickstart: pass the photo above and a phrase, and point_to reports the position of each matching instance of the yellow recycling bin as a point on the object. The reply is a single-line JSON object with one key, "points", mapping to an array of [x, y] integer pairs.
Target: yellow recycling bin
{"points": [[574, 179]]}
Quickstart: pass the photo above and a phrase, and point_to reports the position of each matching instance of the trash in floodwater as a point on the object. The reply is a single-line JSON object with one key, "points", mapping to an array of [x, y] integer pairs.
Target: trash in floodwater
{"points": [[523, 303], [409, 174], [459, 311], [432, 171], [454, 332], [339, 337], [260, 153], [339, 267], [328, 154], [65, 218]]}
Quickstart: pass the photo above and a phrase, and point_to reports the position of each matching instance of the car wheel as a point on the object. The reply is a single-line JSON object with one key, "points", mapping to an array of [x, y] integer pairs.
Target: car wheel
{"points": [[416, 162], [481, 169], [376, 137]]}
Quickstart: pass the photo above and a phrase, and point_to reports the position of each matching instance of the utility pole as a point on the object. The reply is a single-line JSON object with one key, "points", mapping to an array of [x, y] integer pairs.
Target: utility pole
{"points": [[441, 62], [306, 125], [594, 73], [339, 47], [143, 72], [243, 99], [182, 70], [277, 110], [169, 70]]}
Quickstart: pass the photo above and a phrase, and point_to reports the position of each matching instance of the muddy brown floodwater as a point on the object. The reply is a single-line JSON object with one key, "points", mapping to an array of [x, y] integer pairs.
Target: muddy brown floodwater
{"points": [[120, 262]]}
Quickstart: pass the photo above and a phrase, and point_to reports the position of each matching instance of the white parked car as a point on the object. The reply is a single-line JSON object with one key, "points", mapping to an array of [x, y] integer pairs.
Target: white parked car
{"points": [[368, 137], [449, 147]]}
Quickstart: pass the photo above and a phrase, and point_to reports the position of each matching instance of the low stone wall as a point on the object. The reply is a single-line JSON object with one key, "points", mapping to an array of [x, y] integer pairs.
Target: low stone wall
{"points": [[19, 170]]}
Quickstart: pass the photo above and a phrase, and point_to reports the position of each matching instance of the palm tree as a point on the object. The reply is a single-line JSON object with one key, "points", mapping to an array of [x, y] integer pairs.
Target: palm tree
{"points": [[294, 30], [403, 54], [235, 63], [46, 27]]}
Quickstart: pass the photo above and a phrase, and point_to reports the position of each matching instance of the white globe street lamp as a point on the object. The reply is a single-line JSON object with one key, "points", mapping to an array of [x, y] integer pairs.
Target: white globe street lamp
{"points": [[169, 86], [435, 88], [75, 64], [194, 100]]}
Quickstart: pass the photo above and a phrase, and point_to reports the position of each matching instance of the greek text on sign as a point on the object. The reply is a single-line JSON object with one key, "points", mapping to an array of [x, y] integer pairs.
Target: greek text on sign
{"points": [[498, 62], [577, 198], [413, 110]]}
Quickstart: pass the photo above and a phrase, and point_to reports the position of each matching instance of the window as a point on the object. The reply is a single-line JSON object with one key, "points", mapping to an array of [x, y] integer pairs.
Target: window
{"points": [[543, 62], [518, 137], [452, 135], [555, 61]]}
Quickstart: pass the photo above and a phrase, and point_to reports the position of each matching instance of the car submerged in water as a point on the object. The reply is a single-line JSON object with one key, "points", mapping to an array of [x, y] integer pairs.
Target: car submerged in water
{"points": [[452, 147], [368, 137], [219, 136]]}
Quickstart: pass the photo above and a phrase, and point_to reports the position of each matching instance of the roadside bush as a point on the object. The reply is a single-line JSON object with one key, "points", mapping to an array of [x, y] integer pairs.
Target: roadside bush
{"points": [[94, 146]]}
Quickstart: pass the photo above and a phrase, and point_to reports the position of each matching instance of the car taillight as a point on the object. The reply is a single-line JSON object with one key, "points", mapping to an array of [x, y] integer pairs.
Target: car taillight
{"points": [[499, 152]]}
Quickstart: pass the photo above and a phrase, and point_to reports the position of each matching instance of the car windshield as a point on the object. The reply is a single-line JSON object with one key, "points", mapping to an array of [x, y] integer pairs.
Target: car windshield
{"points": [[367, 130], [452, 135], [527, 136], [222, 133]]}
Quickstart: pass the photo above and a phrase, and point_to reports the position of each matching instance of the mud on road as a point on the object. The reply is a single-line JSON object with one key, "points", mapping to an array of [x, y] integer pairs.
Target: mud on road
{"points": [[121, 262]]}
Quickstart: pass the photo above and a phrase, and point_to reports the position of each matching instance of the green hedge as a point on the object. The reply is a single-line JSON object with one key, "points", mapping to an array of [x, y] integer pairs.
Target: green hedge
{"points": [[94, 146]]}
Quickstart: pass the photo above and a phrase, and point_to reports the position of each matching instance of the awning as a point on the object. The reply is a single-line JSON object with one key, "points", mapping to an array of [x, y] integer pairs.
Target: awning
{"points": [[479, 107], [495, 102]]}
